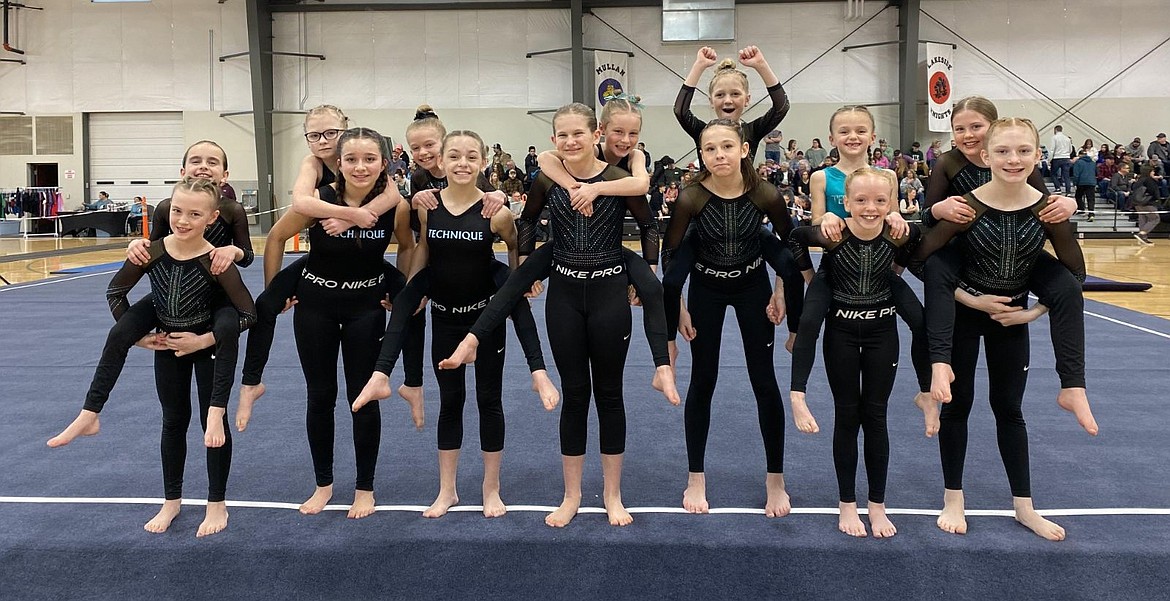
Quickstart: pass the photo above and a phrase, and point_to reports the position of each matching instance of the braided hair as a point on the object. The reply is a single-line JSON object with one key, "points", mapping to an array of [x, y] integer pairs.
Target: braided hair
{"points": [[365, 133]]}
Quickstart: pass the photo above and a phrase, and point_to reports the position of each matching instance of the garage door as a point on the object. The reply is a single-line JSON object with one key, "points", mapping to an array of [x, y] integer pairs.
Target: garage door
{"points": [[134, 154]]}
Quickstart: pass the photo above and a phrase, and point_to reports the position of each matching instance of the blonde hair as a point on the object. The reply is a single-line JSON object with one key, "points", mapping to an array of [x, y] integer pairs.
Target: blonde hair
{"points": [[883, 174], [977, 104], [465, 133], [576, 108], [726, 68], [327, 109], [198, 185], [1009, 122], [627, 104], [859, 108], [424, 116]]}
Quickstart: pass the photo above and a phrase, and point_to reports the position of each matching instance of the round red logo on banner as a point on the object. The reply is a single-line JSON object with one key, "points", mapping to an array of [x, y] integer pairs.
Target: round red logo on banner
{"points": [[940, 87]]}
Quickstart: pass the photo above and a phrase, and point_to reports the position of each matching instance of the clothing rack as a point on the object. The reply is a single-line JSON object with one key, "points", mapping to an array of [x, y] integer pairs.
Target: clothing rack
{"points": [[31, 205]]}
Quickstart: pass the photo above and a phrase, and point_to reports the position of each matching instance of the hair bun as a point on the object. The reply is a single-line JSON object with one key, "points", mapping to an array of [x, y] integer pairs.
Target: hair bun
{"points": [[424, 111], [724, 65]]}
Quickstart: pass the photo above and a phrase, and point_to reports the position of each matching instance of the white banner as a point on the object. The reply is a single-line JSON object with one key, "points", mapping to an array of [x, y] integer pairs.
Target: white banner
{"points": [[610, 75], [939, 84]]}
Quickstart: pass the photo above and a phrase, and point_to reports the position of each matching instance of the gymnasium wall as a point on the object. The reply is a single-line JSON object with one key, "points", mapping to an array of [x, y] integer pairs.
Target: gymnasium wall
{"points": [[471, 66]]}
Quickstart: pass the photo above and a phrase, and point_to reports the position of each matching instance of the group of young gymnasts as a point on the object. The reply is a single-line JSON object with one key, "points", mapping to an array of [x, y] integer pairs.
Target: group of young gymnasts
{"points": [[988, 212]]}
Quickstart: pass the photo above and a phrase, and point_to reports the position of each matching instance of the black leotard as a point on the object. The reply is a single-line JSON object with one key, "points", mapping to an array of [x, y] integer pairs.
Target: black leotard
{"points": [[754, 130]]}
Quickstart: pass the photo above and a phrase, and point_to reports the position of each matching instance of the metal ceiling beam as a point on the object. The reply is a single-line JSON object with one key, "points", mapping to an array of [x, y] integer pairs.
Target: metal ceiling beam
{"points": [[908, 83], [260, 63], [491, 5]]}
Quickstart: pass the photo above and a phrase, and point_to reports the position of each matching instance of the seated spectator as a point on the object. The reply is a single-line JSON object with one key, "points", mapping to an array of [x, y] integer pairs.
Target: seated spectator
{"points": [[1119, 186], [879, 159], [512, 182], [908, 204], [102, 203], [910, 181], [1105, 170]]}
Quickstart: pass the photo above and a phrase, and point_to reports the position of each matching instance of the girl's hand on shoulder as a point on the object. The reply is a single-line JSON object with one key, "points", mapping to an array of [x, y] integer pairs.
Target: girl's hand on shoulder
{"points": [[493, 202], [1059, 209], [138, 252], [832, 226], [424, 199], [898, 226], [953, 209], [222, 257]]}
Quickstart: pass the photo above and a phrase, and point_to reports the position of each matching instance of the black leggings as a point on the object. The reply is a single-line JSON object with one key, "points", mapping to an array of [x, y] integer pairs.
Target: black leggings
{"points": [[538, 265], [320, 331], [1007, 354], [589, 332], [1054, 285], [817, 300], [861, 375], [775, 253], [172, 378], [138, 321], [271, 302], [446, 334], [708, 306], [407, 301]]}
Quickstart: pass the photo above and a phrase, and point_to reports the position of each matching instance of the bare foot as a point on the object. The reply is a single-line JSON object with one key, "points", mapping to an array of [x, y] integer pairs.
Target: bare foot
{"points": [[805, 422], [464, 353], [215, 521], [248, 397], [790, 343], [363, 505], [214, 437], [162, 520], [318, 501], [618, 516], [880, 522], [544, 388], [929, 407], [849, 522], [778, 504], [953, 517], [1026, 515], [85, 424], [695, 496], [1076, 401], [413, 395], [664, 382], [376, 389], [564, 514], [493, 505], [941, 376], [444, 502]]}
